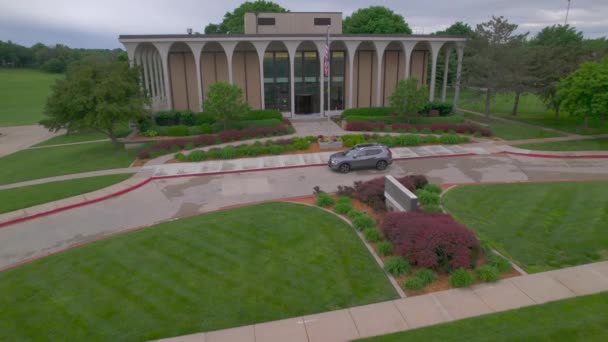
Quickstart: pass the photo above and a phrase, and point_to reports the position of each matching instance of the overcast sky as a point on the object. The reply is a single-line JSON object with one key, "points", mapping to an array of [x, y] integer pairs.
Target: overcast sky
{"points": [[97, 24]]}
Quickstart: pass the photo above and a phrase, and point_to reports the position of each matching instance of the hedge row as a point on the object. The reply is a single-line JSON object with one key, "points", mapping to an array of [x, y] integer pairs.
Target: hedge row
{"points": [[189, 118], [443, 109], [174, 145], [462, 128], [407, 119], [205, 128], [248, 150], [403, 139]]}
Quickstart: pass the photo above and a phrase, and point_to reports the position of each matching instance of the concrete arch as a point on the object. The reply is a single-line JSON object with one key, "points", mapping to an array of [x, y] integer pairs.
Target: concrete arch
{"points": [[446, 68], [182, 77], [308, 77], [213, 65], [246, 67], [147, 57], [339, 77], [365, 75], [277, 65], [393, 69]]}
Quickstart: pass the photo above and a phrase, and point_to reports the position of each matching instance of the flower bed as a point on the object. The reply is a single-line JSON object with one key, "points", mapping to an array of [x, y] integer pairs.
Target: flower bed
{"points": [[461, 128], [173, 145], [425, 250], [330, 143], [258, 148]]}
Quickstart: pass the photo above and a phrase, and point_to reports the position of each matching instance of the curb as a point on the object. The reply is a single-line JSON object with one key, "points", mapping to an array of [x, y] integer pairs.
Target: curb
{"points": [[146, 181], [541, 155]]}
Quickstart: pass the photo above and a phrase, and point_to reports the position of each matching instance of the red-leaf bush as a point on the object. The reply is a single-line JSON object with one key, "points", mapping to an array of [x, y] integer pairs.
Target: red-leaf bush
{"points": [[461, 128], [431, 240], [371, 192]]}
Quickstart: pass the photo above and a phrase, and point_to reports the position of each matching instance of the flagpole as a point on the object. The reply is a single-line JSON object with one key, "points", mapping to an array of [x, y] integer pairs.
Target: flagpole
{"points": [[328, 72]]}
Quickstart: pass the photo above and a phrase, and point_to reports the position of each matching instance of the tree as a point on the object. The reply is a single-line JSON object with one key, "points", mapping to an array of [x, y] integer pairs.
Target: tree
{"points": [[556, 52], [490, 60], [375, 19], [234, 22], [96, 96], [460, 29], [584, 93], [225, 102], [408, 98]]}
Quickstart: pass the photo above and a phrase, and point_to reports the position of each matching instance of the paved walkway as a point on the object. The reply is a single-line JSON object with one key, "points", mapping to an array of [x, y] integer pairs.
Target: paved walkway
{"points": [[300, 160], [499, 118], [71, 176], [415, 312], [16, 138]]}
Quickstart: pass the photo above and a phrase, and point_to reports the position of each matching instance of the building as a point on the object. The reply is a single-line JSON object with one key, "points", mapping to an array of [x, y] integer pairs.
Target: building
{"points": [[281, 52]]}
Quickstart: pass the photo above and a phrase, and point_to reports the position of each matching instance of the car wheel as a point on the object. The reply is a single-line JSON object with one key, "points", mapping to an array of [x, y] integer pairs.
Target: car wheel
{"points": [[344, 168], [381, 165]]}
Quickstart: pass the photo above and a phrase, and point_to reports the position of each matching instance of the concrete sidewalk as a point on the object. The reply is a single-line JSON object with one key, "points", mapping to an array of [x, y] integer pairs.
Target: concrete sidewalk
{"points": [[71, 176], [414, 312], [301, 160]]}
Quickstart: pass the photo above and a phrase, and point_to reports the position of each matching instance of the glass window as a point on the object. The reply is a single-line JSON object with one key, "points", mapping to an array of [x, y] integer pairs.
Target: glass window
{"points": [[322, 21], [266, 21], [276, 81]]}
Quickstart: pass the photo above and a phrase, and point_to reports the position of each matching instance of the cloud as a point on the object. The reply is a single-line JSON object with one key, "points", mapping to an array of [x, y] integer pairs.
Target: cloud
{"points": [[86, 23]]}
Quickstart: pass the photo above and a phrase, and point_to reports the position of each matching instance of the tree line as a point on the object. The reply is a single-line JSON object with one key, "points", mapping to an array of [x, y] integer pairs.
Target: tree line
{"points": [[54, 59]]}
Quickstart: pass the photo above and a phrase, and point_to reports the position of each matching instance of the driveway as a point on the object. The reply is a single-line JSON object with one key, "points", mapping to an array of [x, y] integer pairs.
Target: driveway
{"points": [[168, 199], [16, 138]]}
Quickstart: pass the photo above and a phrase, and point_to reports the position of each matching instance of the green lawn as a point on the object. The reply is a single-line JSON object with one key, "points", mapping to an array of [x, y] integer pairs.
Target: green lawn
{"points": [[531, 110], [512, 131], [542, 226], [29, 196], [572, 145], [23, 94], [576, 319], [213, 271], [56, 161]]}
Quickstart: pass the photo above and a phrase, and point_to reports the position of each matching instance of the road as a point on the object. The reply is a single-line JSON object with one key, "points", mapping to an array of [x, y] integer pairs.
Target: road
{"points": [[168, 199]]}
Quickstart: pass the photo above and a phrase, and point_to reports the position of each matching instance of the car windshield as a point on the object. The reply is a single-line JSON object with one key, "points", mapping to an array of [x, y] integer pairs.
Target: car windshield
{"points": [[351, 151]]}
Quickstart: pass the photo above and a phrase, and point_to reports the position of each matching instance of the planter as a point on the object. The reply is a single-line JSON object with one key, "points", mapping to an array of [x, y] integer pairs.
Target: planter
{"points": [[330, 145]]}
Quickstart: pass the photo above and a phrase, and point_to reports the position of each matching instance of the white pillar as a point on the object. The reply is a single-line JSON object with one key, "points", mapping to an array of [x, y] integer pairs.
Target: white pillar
{"points": [[149, 82], [292, 46], [351, 47], [163, 49], [260, 47], [229, 49], [321, 55], [459, 53], [435, 47], [408, 47], [197, 48], [158, 77], [380, 47], [131, 47], [445, 74]]}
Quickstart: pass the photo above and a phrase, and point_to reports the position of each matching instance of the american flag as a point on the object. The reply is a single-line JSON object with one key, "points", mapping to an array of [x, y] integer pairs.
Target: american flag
{"points": [[326, 59]]}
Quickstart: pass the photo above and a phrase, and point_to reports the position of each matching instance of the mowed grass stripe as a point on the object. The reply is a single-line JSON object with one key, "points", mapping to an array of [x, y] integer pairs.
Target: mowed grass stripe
{"points": [[542, 226], [208, 272]]}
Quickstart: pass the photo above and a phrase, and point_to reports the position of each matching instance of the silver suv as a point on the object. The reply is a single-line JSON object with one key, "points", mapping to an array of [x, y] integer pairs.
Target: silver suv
{"points": [[361, 156]]}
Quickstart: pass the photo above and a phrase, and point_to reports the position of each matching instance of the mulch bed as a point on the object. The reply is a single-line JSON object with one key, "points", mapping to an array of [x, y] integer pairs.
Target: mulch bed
{"points": [[441, 282]]}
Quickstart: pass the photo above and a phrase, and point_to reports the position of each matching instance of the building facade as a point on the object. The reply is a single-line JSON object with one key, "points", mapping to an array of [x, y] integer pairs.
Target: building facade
{"points": [[279, 64]]}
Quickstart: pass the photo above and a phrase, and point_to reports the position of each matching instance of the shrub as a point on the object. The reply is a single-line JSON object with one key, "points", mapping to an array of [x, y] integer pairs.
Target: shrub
{"points": [[324, 199], [229, 152], [350, 140], [143, 154], [431, 239], [256, 123], [384, 248], [204, 118], [189, 146], [426, 130], [225, 102], [196, 156], [414, 283], [432, 208], [149, 133], [371, 234], [396, 265], [487, 273], [354, 213], [367, 111], [180, 157], [443, 108], [177, 131], [187, 118], [449, 139], [344, 199], [461, 278], [500, 263], [300, 143], [206, 128], [158, 153], [343, 208], [430, 139], [263, 114], [427, 276], [432, 188], [427, 198], [362, 222], [408, 97]]}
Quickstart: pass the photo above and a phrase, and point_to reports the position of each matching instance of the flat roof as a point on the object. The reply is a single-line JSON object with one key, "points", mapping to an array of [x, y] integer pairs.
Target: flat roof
{"points": [[286, 35]]}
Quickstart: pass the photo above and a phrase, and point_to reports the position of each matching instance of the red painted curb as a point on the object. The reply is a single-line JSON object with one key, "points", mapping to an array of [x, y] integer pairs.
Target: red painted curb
{"points": [[131, 188], [541, 155]]}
